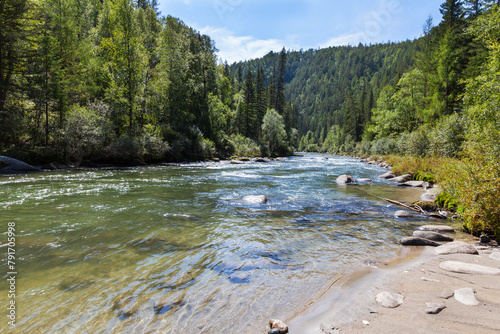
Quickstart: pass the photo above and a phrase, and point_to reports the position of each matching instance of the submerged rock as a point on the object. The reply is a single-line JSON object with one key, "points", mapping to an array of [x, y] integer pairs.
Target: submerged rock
{"points": [[237, 162], [389, 300], [402, 214], [365, 181], [432, 236], [126, 306], [262, 160], [415, 241], [456, 247], [279, 325], [466, 296], [469, 268], [345, 179]]}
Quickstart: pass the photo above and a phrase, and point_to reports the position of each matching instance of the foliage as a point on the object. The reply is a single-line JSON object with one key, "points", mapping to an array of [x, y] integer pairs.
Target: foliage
{"points": [[244, 147], [273, 129], [475, 180]]}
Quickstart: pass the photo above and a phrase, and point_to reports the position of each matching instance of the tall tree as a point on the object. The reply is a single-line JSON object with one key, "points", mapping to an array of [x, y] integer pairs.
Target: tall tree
{"points": [[280, 84], [453, 12]]}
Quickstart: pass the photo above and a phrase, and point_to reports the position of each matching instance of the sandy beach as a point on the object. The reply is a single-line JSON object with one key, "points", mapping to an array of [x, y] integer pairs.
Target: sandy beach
{"points": [[349, 306]]}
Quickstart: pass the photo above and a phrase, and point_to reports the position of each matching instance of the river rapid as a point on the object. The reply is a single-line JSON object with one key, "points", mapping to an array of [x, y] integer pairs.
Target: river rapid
{"points": [[175, 249]]}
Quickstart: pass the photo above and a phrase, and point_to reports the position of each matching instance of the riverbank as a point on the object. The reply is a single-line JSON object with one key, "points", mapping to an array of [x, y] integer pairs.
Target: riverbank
{"points": [[350, 306]]}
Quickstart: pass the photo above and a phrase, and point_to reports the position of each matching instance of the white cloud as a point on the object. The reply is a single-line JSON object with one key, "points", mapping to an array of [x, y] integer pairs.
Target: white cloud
{"points": [[350, 39], [235, 48]]}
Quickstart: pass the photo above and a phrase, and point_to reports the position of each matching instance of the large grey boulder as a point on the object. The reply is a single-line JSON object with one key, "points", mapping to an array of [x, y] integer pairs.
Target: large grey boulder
{"points": [[468, 268], [11, 165], [432, 236], [466, 296], [456, 247], [389, 300], [345, 179], [414, 241]]}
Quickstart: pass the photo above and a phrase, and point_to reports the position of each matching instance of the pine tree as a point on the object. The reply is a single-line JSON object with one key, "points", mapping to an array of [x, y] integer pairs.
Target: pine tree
{"points": [[280, 84], [249, 130], [453, 12]]}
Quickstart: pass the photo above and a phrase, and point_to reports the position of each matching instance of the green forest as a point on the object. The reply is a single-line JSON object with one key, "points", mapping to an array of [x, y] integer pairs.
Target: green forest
{"points": [[85, 81], [114, 81]]}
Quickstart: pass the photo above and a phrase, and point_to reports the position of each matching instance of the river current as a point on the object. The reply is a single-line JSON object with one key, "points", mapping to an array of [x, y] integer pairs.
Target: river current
{"points": [[175, 249]]}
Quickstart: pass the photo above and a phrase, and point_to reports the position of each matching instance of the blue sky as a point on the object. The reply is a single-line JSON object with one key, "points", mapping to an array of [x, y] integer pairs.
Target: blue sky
{"points": [[247, 29]]}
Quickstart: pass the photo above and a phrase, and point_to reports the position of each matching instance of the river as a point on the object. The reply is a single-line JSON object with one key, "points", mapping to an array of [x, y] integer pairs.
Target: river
{"points": [[174, 249]]}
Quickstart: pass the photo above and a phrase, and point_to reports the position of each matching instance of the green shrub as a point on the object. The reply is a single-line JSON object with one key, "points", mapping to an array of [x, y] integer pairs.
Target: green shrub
{"points": [[245, 147], [447, 136], [384, 146]]}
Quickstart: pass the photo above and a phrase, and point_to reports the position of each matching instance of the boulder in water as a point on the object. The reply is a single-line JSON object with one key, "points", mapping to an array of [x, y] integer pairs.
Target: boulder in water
{"points": [[389, 175], [402, 214], [345, 179], [415, 241], [432, 236], [259, 199], [11, 165]]}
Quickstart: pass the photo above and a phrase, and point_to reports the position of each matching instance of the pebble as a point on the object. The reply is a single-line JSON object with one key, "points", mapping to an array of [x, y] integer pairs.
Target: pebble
{"points": [[446, 294], [279, 325], [466, 296], [434, 308], [389, 300]]}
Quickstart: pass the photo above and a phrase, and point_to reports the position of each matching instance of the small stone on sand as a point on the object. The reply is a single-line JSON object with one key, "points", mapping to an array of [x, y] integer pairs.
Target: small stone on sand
{"points": [[389, 300], [434, 308], [466, 296]]}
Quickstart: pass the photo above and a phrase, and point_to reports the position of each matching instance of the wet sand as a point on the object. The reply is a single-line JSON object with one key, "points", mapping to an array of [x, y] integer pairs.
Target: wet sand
{"points": [[349, 306]]}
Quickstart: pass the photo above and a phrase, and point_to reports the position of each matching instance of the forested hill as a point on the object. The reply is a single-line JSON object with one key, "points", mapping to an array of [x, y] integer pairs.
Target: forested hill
{"points": [[338, 85], [434, 101]]}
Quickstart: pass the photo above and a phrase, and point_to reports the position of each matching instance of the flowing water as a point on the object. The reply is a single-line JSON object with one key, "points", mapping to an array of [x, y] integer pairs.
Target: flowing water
{"points": [[175, 249]]}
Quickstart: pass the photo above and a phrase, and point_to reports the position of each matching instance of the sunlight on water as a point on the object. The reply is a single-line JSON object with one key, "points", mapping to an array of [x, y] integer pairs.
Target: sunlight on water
{"points": [[174, 248]]}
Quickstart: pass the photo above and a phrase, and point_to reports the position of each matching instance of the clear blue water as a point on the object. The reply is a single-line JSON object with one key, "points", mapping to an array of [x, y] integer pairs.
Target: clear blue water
{"points": [[175, 249]]}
